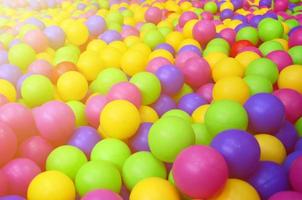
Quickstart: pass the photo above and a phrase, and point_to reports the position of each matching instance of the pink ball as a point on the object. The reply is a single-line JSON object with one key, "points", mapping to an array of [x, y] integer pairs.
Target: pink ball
{"points": [[3, 100], [182, 58], [286, 195], [37, 149], [207, 15], [200, 171], [94, 107], [295, 174], [41, 67], [292, 102], [281, 58], [229, 35], [197, 72], [20, 119], [204, 31], [129, 31], [153, 15], [156, 63], [295, 38], [8, 143], [281, 5], [206, 92], [185, 17], [55, 121], [19, 173], [126, 91], [3, 184], [36, 39], [101, 195]]}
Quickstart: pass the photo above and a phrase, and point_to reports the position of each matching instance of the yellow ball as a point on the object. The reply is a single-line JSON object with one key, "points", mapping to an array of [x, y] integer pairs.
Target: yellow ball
{"points": [[154, 189], [131, 40], [132, 62], [271, 148], [72, 85], [227, 67], [246, 57], [226, 5], [214, 57], [77, 33], [119, 119], [199, 113], [283, 42], [188, 27], [189, 41], [96, 45], [148, 114], [161, 53], [110, 57], [119, 45], [236, 189], [232, 88], [89, 64], [174, 39], [8, 90], [291, 77], [142, 48], [51, 185]]}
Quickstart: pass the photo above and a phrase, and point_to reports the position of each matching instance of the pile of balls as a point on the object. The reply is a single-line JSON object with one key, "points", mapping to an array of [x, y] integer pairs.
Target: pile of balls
{"points": [[151, 100]]}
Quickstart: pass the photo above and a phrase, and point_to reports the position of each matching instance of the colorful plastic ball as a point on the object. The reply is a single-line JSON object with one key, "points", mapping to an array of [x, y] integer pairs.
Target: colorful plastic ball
{"points": [[208, 175], [94, 106], [8, 90], [63, 67], [240, 150], [51, 185], [286, 195], [89, 64], [161, 133], [98, 175], [77, 33], [154, 188], [119, 119], [10, 73], [295, 173], [226, 14], [100, 194], [55, 36], [280, 5], [132, 62], [228, 34], [248, 33], [153, 15], [291, 78], [292, 157], [192, 48], [205, 91], [21, 55], [36, 39], [8, 143], [96, 25], [182, 57], [78, 109], [154, 64], [190, 102], [153, 38], [270, 46], [237, 189], [238, 46], [268, 179], [269, 29], [211, 7], [111, 57], [163, 104], [199, 113], [204, 31], [227, 67], [110, 36], [3, 184], [298, 126], [202, 136], [42, 67], [186, 16], [140, 140], [68, 53], [281, 58], [178, 113], [258, 84], [167, 47], [19, 173], [295, 38], [246, 57], [288, 135]]}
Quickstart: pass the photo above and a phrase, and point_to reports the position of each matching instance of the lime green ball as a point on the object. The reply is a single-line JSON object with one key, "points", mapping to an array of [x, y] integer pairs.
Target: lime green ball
{"points": [[219, 42], [104, 4], [149, 86], [292, 23], [269, 46], [269, 29], [248, 33], [294, 1], [111, 150], [114, 17], [171, 178], [298, 126], [198, 11], [225, 114], [215, 49], [69, 53], [296, 55], [98, 175], [21, 55], [263, 67], [164, 30], [162, 133], [6, 38], [78, 109], [127, 13], [202, 136], [114, 26], [142, 165], [211, 7], [148, 27], [36, 90], [178, 113], [153, 38], [258, 84], [106, 79], [66, 159]]}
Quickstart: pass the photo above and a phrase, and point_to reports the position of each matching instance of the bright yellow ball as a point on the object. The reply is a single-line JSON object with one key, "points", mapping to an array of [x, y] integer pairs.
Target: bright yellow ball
{"points": [[189, 41], [119, 119], [96, 45], [8, 90], [110, 57], [214, 57], [142, 48], [199, 113], [227, 67], [77, 33], [131, 40], [246, 57], [161, 53], [291, 77], [148, 114], [174, 39], [132, 62], [188, 27], [89, 64], [119, 45], [226, 5], [271, 148]]}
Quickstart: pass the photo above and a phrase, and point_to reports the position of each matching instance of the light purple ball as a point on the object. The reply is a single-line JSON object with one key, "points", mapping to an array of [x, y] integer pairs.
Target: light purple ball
{"points": [[190, 102], [36, 22], [96, 25], [3, 57], [14, 42], [110, 36], [167, 47], [140, 140], [10, 73], [55, 36], [190, 48], [164, 104]]}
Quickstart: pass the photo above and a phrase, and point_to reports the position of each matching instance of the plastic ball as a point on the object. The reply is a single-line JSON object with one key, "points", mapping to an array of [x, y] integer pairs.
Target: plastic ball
{"points": [[148, 114], [281, 58], [153, 38], [3, 184], [140, 141], [272, 26], [12, 197], [111, 57], [96, 25], [8, 90], [298, 126], [204, 31], [202, 136], [206, 91], [163, 104], [248, 33], [190, 102], [178, 113], [246, 57], [294, 173], [270, 46], [21, 55], [288, 135], [89, 64], [55, 36], [51, 185], [10, 73], [296, 56], [36, 39], [239, 46], [186, 17], [8, 143], [78, 109], [286, 195], [153, 15], [133, 62], [63, 67], [77, 33], [199, 113], [42, 67], [258, 84], [291, 78], [208, 175], [227, 67], [102, 194]]}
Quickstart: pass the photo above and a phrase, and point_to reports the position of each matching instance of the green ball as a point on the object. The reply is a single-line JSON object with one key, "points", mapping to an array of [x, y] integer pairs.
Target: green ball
{"points": [[202, 136], [149, 86], [78, 109], [169, 136], [198, 11], [164, 30], [114, 17], [215, 49], [178, 113], [148, 27], [225, 114], [248, 33], [219, 42], [104, 4], [142, 165], [111, 150], [69, 53], [292, 23], [153, 38], [269, 46], [21, 55], [98, 175], [114, 26], [263, 67], [36, 90], [127, 13], [211, 7], [258, 84], [269, 29], [171, 178], [66, 159], [298, 126], [296, 55]]}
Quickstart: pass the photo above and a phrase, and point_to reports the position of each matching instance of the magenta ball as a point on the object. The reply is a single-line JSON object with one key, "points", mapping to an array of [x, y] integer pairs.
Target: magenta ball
{"points": [[200, 171], [280, 5], [41, 67], [153, 15], [184, 56], [156, 63], [140, 140], [55, 36], [281, 58], [286, 195], [204, 31], [206, 92], [190, 102], [3, 184], [207, 15], [295, 38], [185, 17], [129, 31], [19, 173], [163, 104], [10, 73], [101, 195], [8, 143], [295, 174], [228, 34], [94, 107]]}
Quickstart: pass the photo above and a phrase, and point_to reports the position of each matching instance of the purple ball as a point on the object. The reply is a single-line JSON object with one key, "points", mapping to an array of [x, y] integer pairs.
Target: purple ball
{"points": [[190, 48], [3, 57], [237, 3], [241, 18], [12, 197], [298, 145], [171, 79], [226, 14], [55, 36], [140, 140], [85, 138], [255, 20], [269, 178], [271, 15], [81, 6], [291, 158], [266, 113], [36, 22], [10, 73], [240, 26], [167, 47], [96, 25], [265, 3], [110, 36], [164, 104], [190, 102], [240, 150], [286, 195], [288, 135], [14, 42]]}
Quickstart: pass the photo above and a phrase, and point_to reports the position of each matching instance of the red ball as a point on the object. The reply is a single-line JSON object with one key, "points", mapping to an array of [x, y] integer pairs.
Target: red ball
{"points": [[237, 46]]}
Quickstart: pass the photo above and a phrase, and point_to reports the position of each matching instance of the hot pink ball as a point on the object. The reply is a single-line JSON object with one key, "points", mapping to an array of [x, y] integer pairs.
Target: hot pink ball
{"points": [[295, 38], [200, 171], [281, 58], [286, 195], [19, 173], [3, 184], [55, 121], [204, 31], [20, 119], [156, 63], [280, 5], [8, 143], [295, 174], [94, 107], [229, 35], [182, 58], [206, 92], [36, 39], [37, 149], [101, 195], [292, 102], [185, 17], [41, 67], [153, 15]]}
